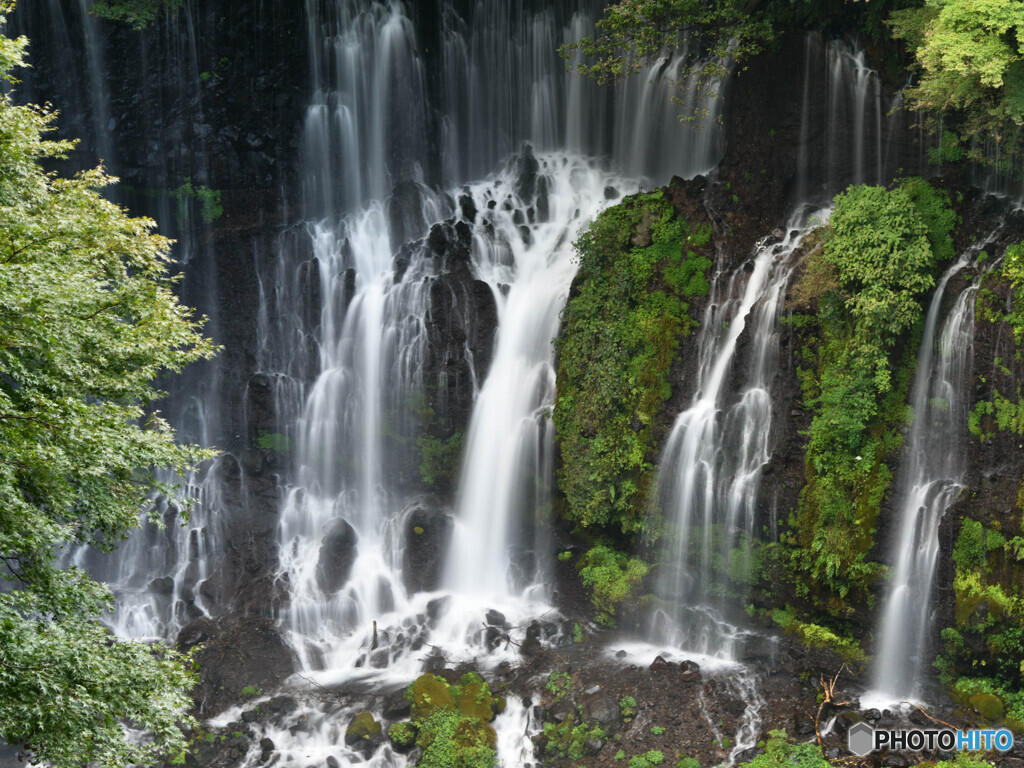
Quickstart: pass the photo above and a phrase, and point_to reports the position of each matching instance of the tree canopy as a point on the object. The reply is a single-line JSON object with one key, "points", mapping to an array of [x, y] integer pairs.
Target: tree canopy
{"points": [[88, 319], [970, 58]]}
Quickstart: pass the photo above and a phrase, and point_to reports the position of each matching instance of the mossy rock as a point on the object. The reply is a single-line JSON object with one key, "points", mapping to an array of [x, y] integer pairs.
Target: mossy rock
{"points": [[428, 694], [363, 726], [474, 699], [471, 732], [988, 705], [403, 736]]}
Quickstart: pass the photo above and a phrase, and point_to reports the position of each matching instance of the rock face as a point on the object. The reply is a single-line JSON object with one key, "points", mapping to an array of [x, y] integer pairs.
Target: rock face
{"points": [[237, 652]]}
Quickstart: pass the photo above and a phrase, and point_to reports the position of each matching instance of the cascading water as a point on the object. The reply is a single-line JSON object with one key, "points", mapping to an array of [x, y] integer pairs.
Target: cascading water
{"points": [[712, 460], [932, 477]]}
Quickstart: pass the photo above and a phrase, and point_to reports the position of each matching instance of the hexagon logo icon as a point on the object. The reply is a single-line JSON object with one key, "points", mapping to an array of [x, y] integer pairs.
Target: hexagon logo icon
{"points": [[861, 739]]}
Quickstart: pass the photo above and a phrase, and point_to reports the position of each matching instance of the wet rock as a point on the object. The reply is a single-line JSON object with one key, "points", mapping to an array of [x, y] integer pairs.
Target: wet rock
{"points": [[337, 555], [427, 532], [364, 733], [602, 708], [468, 207], [610, 193], [163, 585], [332, 762], [250, 716], [237, 651], [396, 706], [620, 654], [496, 619], [747, 755], [594, 744], [660, 664], [562, 710], [267, 745]]}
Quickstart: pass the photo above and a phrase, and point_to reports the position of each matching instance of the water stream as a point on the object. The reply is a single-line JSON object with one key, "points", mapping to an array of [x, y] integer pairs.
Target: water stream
{"points": [[932, 473]]}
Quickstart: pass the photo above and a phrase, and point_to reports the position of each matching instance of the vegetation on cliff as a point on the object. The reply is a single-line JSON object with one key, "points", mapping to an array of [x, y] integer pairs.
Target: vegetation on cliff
{"points": [[875, 261], [639, 264], [88, 319]]}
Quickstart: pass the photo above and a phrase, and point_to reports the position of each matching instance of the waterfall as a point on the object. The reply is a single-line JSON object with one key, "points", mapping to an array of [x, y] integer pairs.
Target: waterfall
{"points": [[932, 473], [711, 463]]}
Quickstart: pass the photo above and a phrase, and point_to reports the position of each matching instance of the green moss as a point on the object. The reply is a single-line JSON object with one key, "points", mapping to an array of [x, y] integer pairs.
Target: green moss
{"points": [[428, 694], [362, 726], [273, 441], [611, 576], [639, 263], [816, 636], [453, 721], [474, 699]]}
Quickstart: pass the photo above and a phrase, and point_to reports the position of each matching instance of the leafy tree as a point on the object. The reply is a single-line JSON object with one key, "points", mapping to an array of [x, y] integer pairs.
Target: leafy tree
{"points": [[970, 55], [87, 320]]}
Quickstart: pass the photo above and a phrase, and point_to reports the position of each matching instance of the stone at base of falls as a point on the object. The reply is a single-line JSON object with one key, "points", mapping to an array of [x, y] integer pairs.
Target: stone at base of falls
{"points": [[396, 706], [603, 709], [987, 705], [337, 555], [237, 652], [364, 732], [427, 532]]}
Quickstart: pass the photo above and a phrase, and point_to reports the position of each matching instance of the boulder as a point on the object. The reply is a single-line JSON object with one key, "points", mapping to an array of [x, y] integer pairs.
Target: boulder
{"points": [[337, 555]]}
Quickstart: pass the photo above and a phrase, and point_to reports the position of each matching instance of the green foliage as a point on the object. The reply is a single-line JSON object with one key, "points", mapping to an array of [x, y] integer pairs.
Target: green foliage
{"points": [[969, 550], [781, 752], [620, 755], [611, 576], [648, 759], [688, 762], [558, 684], [657, 730], [983, 654], [970, 62], [88, 319], [250, 690], [451, 741], [1013, 273], [938, 216], [628, 708], [875, 262], [138, 14], [402, 734], [207, 199], [639, 263], [948, 151], [440, 458], [452, 721], [569, 740], [564, 557], [634, 33], [273, 441], [964, 760]]}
